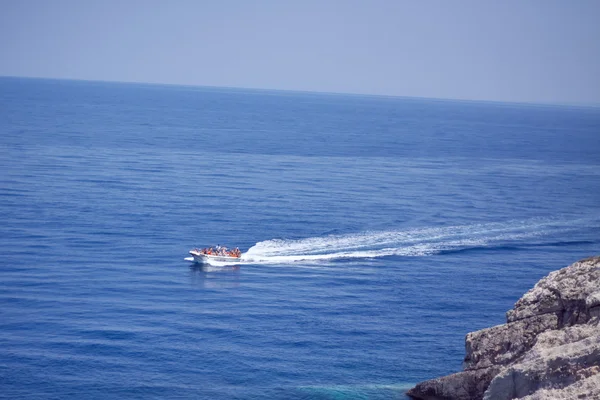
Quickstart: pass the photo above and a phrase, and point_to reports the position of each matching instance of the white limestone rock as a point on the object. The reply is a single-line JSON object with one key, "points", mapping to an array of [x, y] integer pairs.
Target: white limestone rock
{"points": [[548, 349]]}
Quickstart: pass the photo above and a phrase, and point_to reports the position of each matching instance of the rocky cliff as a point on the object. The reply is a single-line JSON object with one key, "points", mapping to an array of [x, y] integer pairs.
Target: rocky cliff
{"points": [[549, 347]]}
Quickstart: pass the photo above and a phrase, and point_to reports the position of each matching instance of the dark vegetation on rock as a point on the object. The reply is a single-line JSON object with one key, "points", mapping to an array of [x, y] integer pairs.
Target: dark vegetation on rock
{"points": [[549, 347]]}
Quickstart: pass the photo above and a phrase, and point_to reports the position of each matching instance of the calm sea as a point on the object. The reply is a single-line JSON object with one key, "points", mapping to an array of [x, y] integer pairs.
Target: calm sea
{"points": [[376, 232]]}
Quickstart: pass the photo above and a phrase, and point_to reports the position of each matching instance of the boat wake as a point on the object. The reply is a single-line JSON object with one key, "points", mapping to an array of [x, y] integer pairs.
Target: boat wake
{"points": [[415, 242]]}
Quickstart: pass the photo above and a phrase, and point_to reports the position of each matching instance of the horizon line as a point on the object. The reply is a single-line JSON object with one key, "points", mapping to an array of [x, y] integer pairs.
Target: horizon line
{"points": [[258, 89]]}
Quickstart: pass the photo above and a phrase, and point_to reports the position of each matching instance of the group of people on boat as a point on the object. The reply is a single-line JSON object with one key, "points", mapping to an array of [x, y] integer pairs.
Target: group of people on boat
{"points": [[221, 251]]}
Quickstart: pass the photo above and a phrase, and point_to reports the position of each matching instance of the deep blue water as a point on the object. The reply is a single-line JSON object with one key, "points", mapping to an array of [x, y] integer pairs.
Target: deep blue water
{"points": [[377, 232]]}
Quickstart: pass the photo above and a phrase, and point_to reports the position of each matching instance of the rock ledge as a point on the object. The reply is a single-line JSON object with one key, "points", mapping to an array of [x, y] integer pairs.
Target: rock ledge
{"points": [[549, 347]]}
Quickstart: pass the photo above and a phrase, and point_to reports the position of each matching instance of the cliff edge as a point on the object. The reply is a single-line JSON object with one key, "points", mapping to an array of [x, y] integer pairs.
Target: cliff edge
{"points": [[549, 347]]}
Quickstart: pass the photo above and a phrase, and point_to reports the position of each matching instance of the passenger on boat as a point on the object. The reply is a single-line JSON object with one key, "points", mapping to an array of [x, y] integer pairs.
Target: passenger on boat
{"points": [[220, 251]]}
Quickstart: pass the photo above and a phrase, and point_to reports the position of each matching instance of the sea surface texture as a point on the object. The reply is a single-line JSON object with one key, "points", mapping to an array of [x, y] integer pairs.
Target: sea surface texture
{"points": [[376, 232]]}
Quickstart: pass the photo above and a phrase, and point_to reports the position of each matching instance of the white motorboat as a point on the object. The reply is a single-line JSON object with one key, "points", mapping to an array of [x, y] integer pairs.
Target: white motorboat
{"points": [[205, 256]]}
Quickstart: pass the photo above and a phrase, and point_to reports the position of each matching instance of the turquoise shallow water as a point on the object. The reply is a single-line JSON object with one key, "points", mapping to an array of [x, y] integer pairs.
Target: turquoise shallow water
{"points": [[377, 232]]}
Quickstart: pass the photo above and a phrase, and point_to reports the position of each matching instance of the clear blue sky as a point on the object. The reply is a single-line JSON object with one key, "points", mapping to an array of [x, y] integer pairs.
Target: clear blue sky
{"points": [[509, 50]]}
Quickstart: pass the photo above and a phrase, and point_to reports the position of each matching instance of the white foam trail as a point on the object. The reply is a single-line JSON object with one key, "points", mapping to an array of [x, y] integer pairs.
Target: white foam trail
{"points": [[413, 242]]}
